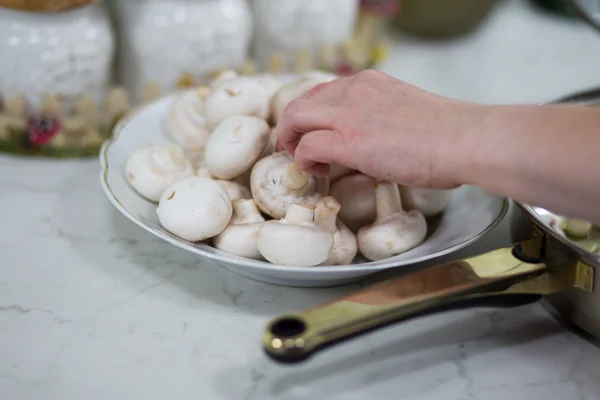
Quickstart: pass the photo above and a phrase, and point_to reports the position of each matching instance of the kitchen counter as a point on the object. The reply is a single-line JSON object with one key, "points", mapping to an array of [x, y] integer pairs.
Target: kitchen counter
{"points": [[92, 307]]}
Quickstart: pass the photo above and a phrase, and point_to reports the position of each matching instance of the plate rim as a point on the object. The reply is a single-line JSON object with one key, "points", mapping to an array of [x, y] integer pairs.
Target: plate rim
{"points": [[255, 264]]}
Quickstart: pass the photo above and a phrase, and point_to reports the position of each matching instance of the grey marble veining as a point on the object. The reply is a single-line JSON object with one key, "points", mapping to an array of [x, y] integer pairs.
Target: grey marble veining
{"points": [[93, 307]]}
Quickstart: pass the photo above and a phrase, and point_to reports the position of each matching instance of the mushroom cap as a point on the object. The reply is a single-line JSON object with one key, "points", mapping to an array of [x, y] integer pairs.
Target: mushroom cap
{"points": [[294, 245], [345, 246], [186, 121], [244, 179], [195, 209], [320, 75], [196, 158], [235, 145], [429, 202], [337, 172], [235, 190], [392, 236], [240, 240], [271, 196], [357, 200], [204, 173], [224, 76], [270, 83], [235, 97], [271, 146], [150, 170]]}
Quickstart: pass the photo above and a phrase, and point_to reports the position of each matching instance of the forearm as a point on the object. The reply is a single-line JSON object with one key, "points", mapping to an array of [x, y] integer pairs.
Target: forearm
{"points": [[541, 155]]}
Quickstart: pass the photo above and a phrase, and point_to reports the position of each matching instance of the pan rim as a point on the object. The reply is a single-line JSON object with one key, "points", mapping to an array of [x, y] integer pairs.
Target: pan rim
{"points": [[582, 97]]}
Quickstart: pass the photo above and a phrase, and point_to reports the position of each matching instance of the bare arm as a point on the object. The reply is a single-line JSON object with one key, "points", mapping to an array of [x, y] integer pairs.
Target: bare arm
{"points": [[391, 130], [542, 155]]}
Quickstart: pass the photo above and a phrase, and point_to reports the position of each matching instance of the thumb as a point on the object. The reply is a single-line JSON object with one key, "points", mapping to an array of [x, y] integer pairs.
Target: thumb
{"points": [[317, 147], [279, 147]]}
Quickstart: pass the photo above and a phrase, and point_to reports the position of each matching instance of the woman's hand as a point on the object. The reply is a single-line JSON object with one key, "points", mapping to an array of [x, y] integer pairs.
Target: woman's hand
{"points": [[382, 127], [390, 130]]}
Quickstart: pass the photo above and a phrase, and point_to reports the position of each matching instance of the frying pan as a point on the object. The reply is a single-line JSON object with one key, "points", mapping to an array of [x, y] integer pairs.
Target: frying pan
{"points": [[541, 263]]}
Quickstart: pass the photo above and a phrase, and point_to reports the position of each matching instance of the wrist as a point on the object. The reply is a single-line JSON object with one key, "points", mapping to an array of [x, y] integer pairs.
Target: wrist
{"points": [[466, 156], [499, 156]]}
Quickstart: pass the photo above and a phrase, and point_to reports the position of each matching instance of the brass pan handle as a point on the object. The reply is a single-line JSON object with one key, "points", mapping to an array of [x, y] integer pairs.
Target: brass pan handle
{"points": [[507, 277]]}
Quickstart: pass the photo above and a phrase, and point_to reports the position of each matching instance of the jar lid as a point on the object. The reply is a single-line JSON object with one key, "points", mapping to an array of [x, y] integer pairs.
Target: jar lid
{"points": [[44, 5]]}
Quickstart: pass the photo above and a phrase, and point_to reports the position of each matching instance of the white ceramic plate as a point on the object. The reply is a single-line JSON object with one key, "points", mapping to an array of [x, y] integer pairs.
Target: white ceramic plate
{"points": [[471, 213]]}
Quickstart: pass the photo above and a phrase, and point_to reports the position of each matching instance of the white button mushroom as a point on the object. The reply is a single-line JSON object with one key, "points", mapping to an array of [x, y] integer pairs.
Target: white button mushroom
{"points": [[235, 145], [337, 172], [290, 91], [235, 190], [196, 158], [241, 235], [345, 246], [395, 231], [244, 179], [357, 198], [186, 121], [430, 202], [152, 169], [271, 146], [276, 183], [203, 172], [271, 84], [295, 240], [224, 76], [577, 228], [320, 75], [235, 97], [195, 209]]}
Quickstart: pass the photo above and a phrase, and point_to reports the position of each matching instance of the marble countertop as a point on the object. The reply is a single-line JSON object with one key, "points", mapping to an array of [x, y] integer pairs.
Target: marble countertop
{"points": [[92, 307]]}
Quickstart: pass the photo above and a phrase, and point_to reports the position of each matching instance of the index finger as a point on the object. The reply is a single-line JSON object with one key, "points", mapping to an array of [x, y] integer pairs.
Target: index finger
{"points": [[301, 116], [312, 110]]}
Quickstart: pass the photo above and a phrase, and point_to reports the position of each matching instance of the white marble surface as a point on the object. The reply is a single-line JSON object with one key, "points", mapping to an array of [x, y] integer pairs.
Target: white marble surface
{"points": [[92, 307]]}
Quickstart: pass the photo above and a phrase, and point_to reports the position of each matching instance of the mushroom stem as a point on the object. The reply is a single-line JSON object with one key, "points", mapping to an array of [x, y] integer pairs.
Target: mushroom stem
{"points": [[326, 213], [300, 214], [387, 199], [203, 91], [176, 152], [203, 172], [294, 179], [576, 227], [245, 212]]}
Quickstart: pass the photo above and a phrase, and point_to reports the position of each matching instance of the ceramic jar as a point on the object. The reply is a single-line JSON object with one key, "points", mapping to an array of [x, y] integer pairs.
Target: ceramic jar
{"points": [[64, 53], [293, 26], [163, 42]]}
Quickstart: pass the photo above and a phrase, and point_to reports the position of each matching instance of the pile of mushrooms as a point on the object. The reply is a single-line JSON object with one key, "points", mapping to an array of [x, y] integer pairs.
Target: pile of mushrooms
{"points": [[221, 182]]}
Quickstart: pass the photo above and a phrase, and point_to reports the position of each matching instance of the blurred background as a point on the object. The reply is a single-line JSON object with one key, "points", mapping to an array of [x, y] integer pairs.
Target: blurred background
{"points": [[70, 69]]}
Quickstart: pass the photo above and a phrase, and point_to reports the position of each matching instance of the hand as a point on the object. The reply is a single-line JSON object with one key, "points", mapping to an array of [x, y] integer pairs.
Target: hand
{"points": [[382, 127]]}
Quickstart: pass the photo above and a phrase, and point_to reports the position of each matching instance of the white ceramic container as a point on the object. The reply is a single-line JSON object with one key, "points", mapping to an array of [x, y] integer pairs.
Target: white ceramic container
{"points": [[65, 53], [298, 25], [162, 39]]}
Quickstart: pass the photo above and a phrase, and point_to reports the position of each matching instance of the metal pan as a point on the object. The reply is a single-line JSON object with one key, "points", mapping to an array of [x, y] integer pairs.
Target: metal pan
{"points": [[545, 265], [589, 11]]}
